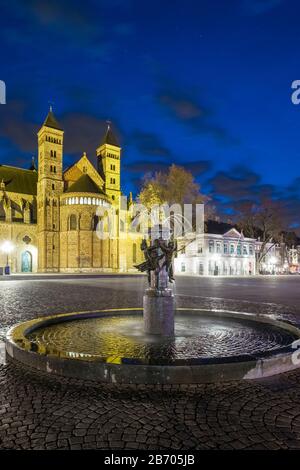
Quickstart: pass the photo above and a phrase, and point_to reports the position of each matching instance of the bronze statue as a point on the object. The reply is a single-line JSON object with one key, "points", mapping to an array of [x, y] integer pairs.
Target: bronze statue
{"points": [[159, 250]]}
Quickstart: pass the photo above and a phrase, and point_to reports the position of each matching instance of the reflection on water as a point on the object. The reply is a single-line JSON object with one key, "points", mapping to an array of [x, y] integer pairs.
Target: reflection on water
{"points": [[196, 336]]}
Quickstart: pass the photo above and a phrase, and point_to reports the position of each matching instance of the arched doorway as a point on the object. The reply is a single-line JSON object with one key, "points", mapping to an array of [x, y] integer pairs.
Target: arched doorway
{"points": [[26, 262]]}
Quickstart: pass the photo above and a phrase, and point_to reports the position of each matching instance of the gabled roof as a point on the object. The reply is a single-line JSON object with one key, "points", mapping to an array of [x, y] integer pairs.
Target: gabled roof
{"points": [[18, 180], [234, 233], [51, 121], [84, 185], [110, 138], [83, 166]]}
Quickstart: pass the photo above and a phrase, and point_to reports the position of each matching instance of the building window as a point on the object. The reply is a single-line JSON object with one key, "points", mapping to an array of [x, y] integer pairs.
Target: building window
{"points": [[211, 246], [53, 186], [200, 248], [112, 181], [251, 250], [231, 249], [73, 222], [218, 248], [239, 249], [134, 253], [183, 267], [113, 167], [245, 252], [225, 249]]}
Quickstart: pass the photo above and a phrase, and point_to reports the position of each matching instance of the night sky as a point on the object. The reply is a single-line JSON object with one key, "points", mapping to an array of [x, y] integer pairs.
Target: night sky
{"points": [[205, 84]]}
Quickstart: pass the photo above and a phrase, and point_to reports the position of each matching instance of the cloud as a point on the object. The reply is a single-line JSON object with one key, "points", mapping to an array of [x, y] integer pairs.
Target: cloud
{"points": [[239, 188], [188, 110], [149, 143], [258, 7], [235, 184]]}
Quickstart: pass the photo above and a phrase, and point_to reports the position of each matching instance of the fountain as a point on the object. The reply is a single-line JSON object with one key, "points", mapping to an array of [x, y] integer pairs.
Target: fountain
{"points": [[159, 343], [158, 301]]}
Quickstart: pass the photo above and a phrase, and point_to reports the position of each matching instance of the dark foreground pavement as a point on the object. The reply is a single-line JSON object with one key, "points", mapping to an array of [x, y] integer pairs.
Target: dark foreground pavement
{"points": [[42, 412]]}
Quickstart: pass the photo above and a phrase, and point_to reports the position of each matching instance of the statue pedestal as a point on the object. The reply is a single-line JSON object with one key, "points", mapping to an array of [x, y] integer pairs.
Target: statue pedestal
{"points": [[159, 307]]}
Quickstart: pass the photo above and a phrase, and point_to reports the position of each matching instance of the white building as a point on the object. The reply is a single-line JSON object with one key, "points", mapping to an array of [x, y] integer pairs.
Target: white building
{"points": [[228, 254]]}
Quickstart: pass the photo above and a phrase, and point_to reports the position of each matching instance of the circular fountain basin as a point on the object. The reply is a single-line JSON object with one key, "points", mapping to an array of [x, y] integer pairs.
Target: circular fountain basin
{"points": [[111, 346]]}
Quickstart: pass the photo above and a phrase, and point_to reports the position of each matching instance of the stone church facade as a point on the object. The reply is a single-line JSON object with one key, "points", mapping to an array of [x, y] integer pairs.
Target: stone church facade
{"points": [[51, 216]]}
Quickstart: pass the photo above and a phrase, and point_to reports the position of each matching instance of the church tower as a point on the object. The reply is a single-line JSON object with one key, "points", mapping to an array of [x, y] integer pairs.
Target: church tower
{"points": [[50, 187], [109, 165]]}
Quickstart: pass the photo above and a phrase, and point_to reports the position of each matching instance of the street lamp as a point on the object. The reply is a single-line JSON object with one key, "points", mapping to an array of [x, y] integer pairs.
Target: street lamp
{"points": [[7, 248]]}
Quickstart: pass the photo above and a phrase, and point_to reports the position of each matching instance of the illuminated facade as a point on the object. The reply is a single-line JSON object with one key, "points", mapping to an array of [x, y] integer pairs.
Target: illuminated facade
{"points": [[50, 216], [228, 254]]}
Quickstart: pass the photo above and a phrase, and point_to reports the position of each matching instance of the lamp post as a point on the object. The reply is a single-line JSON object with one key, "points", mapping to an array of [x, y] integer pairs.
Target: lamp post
{"points": [[7, 248]]}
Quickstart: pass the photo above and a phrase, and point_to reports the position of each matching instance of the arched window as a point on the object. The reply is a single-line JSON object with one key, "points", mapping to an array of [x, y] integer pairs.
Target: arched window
{"points": [[81, 200], [73, 222], [95, 222]]}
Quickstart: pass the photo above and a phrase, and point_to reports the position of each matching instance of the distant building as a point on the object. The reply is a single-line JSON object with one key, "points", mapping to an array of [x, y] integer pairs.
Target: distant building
{"points": [[213, 254]]}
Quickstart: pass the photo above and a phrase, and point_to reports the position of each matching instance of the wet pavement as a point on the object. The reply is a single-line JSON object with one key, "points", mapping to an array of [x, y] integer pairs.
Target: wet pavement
{"points": [[39, 412]]}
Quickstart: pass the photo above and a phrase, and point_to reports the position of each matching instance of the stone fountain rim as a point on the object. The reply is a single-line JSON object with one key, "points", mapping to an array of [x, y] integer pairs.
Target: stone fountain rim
{"points": [[122, 370]]}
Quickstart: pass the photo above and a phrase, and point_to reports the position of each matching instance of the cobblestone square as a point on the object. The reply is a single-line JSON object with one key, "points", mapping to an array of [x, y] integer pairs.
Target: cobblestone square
{"points": [[42, 412]]}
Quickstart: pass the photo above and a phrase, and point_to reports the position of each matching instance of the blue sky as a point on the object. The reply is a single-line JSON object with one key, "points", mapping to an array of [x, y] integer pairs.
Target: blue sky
{"points": [[199, 83]]}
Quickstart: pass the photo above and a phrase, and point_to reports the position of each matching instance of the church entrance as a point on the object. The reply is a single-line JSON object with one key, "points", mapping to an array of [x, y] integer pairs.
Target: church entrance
{"points": [[26, 262]]}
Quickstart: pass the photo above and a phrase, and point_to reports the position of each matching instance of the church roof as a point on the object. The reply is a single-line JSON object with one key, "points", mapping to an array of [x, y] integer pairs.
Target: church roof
{"points": [[84, 185], [110, 138], [51, 121], [18, 180]]}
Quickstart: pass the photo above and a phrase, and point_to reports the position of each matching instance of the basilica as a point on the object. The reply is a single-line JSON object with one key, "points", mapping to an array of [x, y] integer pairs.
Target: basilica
{"points": [[49, 215]]}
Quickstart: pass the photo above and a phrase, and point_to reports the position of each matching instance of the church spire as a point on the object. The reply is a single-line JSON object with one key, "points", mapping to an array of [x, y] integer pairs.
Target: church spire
{"points": [[51, 121], [32, 166], [109, 137]]}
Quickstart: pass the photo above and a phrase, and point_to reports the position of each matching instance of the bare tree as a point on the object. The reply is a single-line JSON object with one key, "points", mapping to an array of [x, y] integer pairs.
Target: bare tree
{"points": [[263, 222]]}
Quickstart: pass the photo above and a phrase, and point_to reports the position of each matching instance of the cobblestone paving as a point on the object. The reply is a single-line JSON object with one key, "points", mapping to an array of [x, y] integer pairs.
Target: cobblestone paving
{"points": [[42, 412], [38, 412]]}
